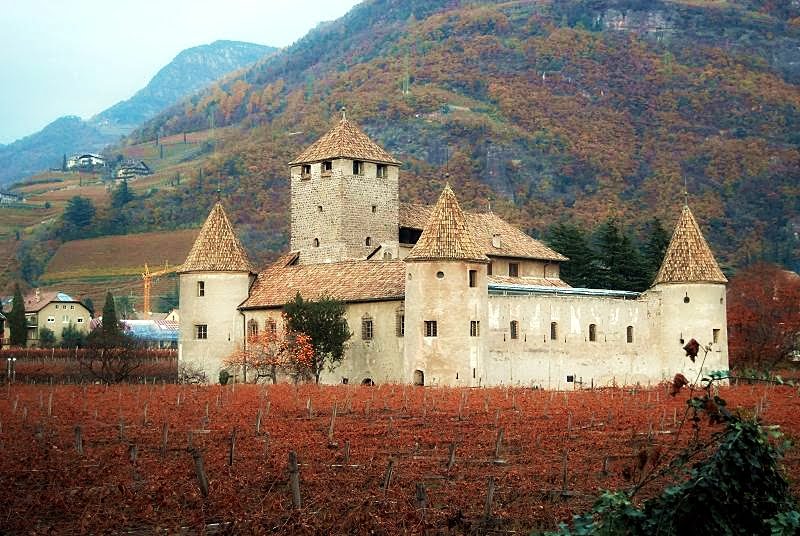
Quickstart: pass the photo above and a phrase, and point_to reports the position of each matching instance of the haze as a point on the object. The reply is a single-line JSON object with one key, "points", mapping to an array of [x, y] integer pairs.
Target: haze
{"points": [[80, 57]]}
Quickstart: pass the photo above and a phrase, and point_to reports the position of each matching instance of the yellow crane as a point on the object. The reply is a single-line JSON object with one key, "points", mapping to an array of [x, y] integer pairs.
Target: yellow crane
{"points": [[147, 279]]}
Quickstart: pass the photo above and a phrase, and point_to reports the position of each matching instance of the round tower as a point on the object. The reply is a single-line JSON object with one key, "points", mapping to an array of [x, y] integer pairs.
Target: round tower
{"points": [[446, 302], [690, 294], [213, 281]]}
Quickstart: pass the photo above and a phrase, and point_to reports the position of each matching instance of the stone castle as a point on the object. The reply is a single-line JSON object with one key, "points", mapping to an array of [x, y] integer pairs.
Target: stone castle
{"points": [[437, 296]]}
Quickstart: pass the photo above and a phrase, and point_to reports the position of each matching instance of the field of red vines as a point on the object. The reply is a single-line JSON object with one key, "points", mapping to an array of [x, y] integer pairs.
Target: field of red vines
{"points": [[94, 459]]}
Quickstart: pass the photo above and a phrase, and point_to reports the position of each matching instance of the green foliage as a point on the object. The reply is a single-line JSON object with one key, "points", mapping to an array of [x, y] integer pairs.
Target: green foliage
{"points": [[122, 195], [77, 219], [16, 319], [111, 328], [655, 248], [224, 377], [47, 339], [619, 264], [324, 322], [170, 300], [72, 337], [568, 239], [89, 304]]}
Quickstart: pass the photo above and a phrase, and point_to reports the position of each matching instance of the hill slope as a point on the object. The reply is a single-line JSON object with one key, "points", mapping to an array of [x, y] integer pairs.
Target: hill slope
{"points": [[585, 108]]}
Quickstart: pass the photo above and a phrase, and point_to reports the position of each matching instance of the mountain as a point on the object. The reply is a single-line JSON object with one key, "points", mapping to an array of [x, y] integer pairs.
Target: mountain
{"points": [[192, 69], [579, 109]]}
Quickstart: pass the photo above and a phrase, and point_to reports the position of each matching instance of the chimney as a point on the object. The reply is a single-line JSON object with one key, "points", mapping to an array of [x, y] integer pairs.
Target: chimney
{"points": [[496, 241], [38, 294]]}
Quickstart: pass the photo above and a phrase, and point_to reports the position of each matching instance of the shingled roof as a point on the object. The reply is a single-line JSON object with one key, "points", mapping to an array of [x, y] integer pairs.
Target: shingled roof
{"points": [[348, 281], [483, 227], [216, 248], [345, 140], [446, 235], [688, 258]]}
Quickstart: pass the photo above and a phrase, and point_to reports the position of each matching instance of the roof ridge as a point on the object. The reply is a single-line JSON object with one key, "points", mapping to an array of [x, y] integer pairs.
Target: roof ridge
{"points": [[689, 258], [446, 235], [345, 140], [216, 248]]}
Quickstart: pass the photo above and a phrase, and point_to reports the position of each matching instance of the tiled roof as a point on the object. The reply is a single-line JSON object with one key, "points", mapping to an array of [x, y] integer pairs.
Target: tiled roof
{"points": [[688, 258], [445, 235], [217, 249], [35, 303], [348, 281], [483, 226], [527, 281], [345, 140]]}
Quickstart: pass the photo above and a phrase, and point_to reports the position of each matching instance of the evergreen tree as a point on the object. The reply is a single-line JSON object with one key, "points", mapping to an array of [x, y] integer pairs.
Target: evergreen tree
{"points": [[570, 240], [655, 247], [78, 216], [111, 327], [47, 339], [620, 266], [121, 195], [64, 163], [89, 304], [16, 319], [72, 337]]}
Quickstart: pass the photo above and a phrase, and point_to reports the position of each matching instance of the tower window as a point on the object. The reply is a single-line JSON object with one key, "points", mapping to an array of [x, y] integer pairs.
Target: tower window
{"points": [[319, 208], [630, 334], [513, 269], [489, 269], [368, 241], [305, 171], [592, 332], [473, 278], [316, 242], [366, 328], [514, 329], [327, 168], [200, 331], [474, 328], [715, 336], [358, 167], [553, 331], [201, 288], [381, 171], [430, 328], [374, 209], [400, 324]]}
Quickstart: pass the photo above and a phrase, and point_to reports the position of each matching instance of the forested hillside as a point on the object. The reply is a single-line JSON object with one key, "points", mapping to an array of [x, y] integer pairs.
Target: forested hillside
{"points": [[573, 109]]}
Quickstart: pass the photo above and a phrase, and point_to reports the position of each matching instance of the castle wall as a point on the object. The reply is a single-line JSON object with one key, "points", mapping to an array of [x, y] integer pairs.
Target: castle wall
{"points": [[526, 267], [217, 310]]}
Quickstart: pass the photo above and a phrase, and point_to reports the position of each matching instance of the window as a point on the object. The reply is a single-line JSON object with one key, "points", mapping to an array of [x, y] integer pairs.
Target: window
{"points": [[440, 275], [72, 307], [715, 336], [201, 288], [316, 242], [514, 329], [358, 167], [374, 209], [430, 328], [305, 171], [592, 332], [200, 331], [252, 328], [80, 320], [368, 241], [630, 334], [474, 328], [319, 208], [489, 269], [56, 306], [327, 168], [553, 331], [513, 269], [272, 326], [381, 172], [366, 328], [473, 278], [65, 319], [51, 319], [400, 324]]}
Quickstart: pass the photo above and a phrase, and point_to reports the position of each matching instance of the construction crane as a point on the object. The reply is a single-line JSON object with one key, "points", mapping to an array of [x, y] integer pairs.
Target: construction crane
{"points": [[147, 279]]}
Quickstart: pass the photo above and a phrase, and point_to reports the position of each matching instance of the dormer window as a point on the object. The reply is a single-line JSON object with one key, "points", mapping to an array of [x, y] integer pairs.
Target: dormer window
{"points": [[358, 167], [305, 171], [327, 168], [513, 269], [381, 171]]}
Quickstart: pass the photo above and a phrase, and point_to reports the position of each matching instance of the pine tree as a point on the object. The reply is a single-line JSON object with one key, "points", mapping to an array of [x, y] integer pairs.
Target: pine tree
{"points": [[122, 195], [571, 241], [16, 319], [111, 328], [655, 248], [64, 163], [620, 266]]}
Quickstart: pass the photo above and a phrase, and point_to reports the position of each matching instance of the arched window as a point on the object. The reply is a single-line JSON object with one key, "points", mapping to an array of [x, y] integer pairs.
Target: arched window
{"points": [[368, 241], [271, 326], [366, 328], [514, 329], [592, 332], [419, 377], [400, 322], [553, 331], [316, 242], [252, 328], [629, 334]]}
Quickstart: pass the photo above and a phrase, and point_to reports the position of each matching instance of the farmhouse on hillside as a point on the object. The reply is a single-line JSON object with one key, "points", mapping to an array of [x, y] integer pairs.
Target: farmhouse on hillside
{"points": [[438, 296], [54, 311]]}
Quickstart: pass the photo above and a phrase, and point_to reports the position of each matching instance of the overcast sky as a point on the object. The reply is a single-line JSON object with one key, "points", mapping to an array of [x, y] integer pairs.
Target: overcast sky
{"points": [[79, 57]]}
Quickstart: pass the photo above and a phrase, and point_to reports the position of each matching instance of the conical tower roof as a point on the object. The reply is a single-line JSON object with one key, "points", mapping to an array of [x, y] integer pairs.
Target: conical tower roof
{"points": [[345, 140], [688, 258], [216, 248], [445, 236]]}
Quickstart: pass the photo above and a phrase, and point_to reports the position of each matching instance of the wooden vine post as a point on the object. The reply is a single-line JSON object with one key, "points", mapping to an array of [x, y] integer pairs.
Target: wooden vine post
{"points": [[294, 480]]}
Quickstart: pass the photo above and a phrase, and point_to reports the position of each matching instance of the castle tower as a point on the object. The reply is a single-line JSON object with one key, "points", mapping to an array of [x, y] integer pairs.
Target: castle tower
{"points": [[214, 280], [691, 291], [446, 301], [344, 198]]}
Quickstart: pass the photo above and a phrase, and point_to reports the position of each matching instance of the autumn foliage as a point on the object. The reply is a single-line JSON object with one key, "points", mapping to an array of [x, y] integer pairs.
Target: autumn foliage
{"points": [[763, 317]]}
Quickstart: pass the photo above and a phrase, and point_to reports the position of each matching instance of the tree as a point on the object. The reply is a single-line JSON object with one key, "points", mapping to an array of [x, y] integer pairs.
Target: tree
{"points": [[763, 316], [64, 162], [47, 339], [72, 337], [270, 351], [122, 195], [619, 266], [89, 304], [16, 319], [169, 301], [568, 239], [324, 322], [655, 248], [111, 354], [111, 327], [124, 306], [77, 218]]}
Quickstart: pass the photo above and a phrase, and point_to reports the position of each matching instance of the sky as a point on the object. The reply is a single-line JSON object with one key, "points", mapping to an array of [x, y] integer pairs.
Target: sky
{"points": [[79, 57]]}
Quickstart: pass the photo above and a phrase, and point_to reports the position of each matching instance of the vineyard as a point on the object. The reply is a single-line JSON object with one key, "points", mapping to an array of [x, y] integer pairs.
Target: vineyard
{"points": [[311, 459]]}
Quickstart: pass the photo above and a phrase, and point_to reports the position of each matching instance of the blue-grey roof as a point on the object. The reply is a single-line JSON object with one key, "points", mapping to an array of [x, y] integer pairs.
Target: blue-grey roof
{"points": [[152, 330], [497, 289]]}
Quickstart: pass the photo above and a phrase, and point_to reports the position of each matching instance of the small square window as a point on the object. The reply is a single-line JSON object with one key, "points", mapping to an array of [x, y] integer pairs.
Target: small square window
{"points": [[319, 208], [358, 167], [72, 307], [305, 171], [327, 168], [51, 319], [513, 269], [201, 331], [56, 306], [80, 320], [474, 328], [201, 288], [381, 171], [570, 378], [430, 328]]}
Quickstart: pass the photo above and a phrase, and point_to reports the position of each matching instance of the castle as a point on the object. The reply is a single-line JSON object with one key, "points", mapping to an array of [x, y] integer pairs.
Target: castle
{"points": [[437, 296]]}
